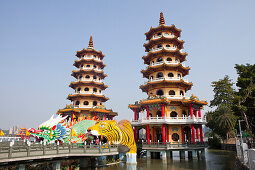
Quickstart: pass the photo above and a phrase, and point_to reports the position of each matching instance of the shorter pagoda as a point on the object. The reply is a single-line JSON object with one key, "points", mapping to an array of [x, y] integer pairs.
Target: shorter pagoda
{"points": [[88, 97]]}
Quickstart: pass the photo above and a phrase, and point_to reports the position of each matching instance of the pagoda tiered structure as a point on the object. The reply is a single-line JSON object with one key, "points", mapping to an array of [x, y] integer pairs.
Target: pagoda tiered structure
{"points": [[88, 97], [171, 116]]}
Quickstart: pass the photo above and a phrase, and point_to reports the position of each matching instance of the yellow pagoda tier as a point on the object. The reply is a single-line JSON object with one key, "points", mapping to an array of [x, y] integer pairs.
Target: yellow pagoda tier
{"points": [[88, 97], [171, 116]]}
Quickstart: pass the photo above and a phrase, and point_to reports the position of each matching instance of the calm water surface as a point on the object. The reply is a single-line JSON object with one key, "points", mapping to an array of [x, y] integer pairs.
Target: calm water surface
{"points": [[215, 160]]}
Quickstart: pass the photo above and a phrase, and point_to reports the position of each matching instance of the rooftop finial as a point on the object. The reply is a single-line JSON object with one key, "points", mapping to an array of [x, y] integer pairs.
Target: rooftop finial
{"points": [[91, 42], [161, 20]]}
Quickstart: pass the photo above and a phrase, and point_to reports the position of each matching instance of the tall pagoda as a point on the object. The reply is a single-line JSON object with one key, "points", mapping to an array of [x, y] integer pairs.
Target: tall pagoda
{"points": [[171, 116], [88, 97]]}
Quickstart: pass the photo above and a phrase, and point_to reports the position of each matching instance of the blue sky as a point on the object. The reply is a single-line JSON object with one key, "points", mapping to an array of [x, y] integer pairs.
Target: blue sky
{"points": [[39, 40]]}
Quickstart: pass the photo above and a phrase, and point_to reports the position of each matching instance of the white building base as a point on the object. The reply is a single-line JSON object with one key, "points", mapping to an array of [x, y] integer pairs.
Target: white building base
{"points": [[131, 158]]}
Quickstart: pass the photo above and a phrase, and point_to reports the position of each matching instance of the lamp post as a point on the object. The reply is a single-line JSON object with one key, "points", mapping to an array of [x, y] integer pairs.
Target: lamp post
{"points": [[241, 136]]}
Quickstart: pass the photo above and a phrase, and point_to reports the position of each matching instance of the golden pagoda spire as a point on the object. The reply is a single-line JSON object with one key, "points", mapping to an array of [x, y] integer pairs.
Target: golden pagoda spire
{"points": [[91, 43], [161, 20]]}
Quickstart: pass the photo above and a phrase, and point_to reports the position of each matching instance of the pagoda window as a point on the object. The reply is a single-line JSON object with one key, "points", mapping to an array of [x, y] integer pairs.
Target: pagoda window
{"points": [[86, 89], [95, 56], [166, 34], [94, 66], [168, 46], [150, 115], [169, 59], [152, 62], [159, 46], [160, 75], [175, 137], [88, 65], [159, 59], [173, 114], [87, 76], [80, 77], [82, 66], [94, 89], [94, 103], [181, 93], [151, 78], [160, 92], [179, 75], [77, 103], [159, 34], [170, 75], [171, 93], [94, 77], [78, 90], [86, 103], [158, 114]]}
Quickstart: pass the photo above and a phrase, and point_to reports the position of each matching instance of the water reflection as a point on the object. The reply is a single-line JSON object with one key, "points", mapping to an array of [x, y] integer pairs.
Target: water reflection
{"points": [[215, 159]]}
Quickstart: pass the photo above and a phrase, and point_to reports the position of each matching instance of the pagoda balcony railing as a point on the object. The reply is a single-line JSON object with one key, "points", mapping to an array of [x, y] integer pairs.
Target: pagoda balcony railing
{"points": [[90, 57], [85, 107], [83, 92], [176, 97], [166, 62], [164, 35], [95, 80], [167, 78], [167, 48], [169, 120], [88, 68]]}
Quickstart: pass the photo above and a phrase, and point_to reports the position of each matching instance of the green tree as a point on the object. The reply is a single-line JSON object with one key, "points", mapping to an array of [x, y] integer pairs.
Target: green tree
{"points": [[223, 92], [245, 96]]}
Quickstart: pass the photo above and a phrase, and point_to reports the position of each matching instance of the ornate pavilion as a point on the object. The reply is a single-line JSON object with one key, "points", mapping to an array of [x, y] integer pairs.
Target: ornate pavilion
{"points": [[171, 116], [88, 97]]}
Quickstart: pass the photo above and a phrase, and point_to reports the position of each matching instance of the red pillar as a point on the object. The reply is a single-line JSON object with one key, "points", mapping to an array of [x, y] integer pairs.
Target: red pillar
{"points": [[195, 111], [163, 110], [112, 118], [192, 134], [135, 114], [95, 116], [148, 113], [201, 134], [153, 135], [105, 117], [197, 133], [135, 133], [148, 134], [163, 133], [191, 110], [199, 112], [182, 135], [167, 134]]}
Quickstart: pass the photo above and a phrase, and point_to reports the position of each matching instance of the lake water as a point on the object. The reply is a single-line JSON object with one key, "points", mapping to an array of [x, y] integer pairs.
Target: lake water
{"points": [[215, 160]]}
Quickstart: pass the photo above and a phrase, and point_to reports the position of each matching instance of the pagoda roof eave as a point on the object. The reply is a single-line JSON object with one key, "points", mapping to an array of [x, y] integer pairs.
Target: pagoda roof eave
{"points": [[181, 56], [180, 67], [153, 42], [92, 83], [92, 71], [102, 97], [88, 61], [153, 30], [90, 51]]}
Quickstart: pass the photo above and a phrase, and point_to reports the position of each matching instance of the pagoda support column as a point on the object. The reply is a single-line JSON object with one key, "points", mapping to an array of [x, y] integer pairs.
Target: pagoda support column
{"points": [[167, 134], [201, 134], [197, 133], [192, 134], [163, 110], [191, 110], [148, 134], [164, 133], [153, 135], [199, 112], [195, 112], [105, 117], [95, 116], [135, 114], [135, 134], [148, 113], [182, 134]]}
